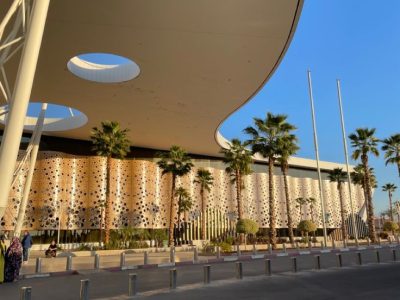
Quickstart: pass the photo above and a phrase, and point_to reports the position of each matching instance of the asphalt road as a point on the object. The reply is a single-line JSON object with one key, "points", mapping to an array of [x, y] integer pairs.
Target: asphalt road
{"points": [[369, 281]]}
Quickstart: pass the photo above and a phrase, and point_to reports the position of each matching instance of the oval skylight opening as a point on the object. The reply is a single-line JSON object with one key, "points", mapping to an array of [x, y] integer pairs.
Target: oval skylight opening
{"points": [[103, 67], [57, 117]]}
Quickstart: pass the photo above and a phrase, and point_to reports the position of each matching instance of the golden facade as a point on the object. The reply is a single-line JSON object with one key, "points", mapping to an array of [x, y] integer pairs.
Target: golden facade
{"points": [[72, 187]]}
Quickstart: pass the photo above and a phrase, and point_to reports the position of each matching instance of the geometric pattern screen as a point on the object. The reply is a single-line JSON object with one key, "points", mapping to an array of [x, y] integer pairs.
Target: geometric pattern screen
{"points": [[71, 187]]}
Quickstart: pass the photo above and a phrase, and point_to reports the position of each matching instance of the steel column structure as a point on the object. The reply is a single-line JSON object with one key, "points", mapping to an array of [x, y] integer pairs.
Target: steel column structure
{"points": [[22, 90], [37, 134]]}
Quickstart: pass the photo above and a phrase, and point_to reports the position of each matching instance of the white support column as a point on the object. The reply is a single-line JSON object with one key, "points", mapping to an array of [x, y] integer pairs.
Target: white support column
{"points": [[20, 99], [36, 141]]}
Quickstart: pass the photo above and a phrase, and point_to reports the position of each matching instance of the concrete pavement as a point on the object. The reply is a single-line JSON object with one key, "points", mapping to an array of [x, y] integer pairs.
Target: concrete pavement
{"points": [[152, 283]]}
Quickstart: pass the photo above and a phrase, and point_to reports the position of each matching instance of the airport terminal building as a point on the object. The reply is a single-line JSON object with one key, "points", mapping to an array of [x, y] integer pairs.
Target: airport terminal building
{"points": [[185, 67]]}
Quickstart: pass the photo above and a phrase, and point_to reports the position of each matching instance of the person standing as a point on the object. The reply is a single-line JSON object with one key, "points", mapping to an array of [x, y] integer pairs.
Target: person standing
{"points": [[13, 260], [3, 250], [26, 245]]}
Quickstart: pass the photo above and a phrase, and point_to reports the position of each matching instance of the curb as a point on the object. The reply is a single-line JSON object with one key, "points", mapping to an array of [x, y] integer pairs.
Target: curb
{"points": [[212, 261]]}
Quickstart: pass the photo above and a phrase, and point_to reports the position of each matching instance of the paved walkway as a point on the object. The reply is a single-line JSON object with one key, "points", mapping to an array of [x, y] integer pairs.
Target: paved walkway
{"points": [[154, 283]]}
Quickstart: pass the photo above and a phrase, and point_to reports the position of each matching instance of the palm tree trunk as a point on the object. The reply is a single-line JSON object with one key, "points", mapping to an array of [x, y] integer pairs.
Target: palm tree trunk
{"points": [[288, 208], [344, 230], [203, 211], [108, 202], [390, 206], [239, 194], [367, 183], [365, 201], [398, 167], [172, 213], [179, 226], [272, 221]]}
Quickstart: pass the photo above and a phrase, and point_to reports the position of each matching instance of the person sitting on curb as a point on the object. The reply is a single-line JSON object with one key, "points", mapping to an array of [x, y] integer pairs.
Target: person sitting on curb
{"points": [[52, 250]]}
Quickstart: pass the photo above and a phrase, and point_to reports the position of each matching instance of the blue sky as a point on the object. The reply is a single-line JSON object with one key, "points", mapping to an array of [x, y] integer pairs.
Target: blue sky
{"points": [[355, 41]]}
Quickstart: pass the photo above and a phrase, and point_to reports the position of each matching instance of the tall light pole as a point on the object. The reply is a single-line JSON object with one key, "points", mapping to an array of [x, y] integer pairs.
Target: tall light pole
{"points": [[321, 192], [346, 155]]}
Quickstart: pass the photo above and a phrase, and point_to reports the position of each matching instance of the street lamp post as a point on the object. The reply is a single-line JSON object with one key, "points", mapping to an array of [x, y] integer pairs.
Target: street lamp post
{"points": [[321, 192]]}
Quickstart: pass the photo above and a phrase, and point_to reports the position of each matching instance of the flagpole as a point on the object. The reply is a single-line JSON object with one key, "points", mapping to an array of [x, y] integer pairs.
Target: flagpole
{"points": [[321, 192], [346, 155]]}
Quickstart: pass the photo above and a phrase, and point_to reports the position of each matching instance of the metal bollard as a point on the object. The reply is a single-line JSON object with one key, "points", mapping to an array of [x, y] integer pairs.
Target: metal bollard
{"points": [[333, 244], [297, 246], [218, 252], [309, 245], [238, 250], [38, 268], [379, 240], [172, 255], [359, 258], [322, 245], [239, 270], [284, 247], [394, 254], [368, 242], [254, 249], [207, 274], [172, 279], [145, 258], [339, 260], [122, 260], [389, 240], [68, 266], [268, 270], [97, 261], [132, 284], [195, 254], [269, 248], [25, 293], [84, 293], [378, 257], [344, 243], [294, 264], [317, 262]]}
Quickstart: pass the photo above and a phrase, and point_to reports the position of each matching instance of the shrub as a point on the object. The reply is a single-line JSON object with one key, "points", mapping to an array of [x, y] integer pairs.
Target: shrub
{"points": [[159, 235], [383, 235], [225, 247], [246, 226], [230, 240], [390, 226], [307, 226]]}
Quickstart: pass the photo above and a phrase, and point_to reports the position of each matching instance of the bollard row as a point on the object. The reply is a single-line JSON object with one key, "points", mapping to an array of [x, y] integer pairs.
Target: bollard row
{"points": [[26, 292]]}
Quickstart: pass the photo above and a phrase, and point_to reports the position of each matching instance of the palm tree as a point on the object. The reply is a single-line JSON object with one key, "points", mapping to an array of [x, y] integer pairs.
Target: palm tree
{"points": [[110, 141], [238, 160], [265, 139], [396, 205], [184, 204], [287, 147], [312, 201], [177, 163], [300, 204], [205, 180], [391, 146], [357, 178], [337, 175], [364, 142], [390, 188]]}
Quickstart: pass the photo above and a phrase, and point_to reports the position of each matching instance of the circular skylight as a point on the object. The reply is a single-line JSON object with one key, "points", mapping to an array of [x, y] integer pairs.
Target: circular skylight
{"points": [[57, 117], [103, 67]]}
